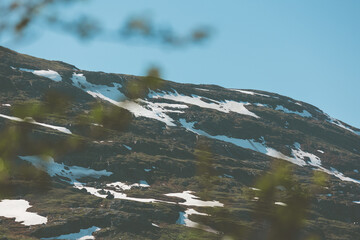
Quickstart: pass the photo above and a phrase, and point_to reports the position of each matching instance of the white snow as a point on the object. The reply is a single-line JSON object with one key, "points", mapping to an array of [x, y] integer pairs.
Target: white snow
{"points": [[244, 143], [339, 124], [147, 169], [32, 121], [250, 92], [161, 108], [184, 220], [316, 162], [111, 94], [261, 105], [117, 195], [357, 202], [60, 129], [149, 110], [301, 155], [192, 200], [154, 110], [44, 73], [298, 156], [11, 118], [127, 147], [320, 151], [228, 176], [280, 204], [120, 186], [116, 97], [304, 113], [17, 209], [338, 174], [171, 105], [84, 234], [276, 154], [143, 183], [74, 173], [223, 106], [202, 89], [5, 105], [155, 225]]}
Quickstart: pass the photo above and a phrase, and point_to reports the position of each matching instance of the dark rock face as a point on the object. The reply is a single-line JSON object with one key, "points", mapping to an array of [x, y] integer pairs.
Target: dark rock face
{"points": [[158, 142]]}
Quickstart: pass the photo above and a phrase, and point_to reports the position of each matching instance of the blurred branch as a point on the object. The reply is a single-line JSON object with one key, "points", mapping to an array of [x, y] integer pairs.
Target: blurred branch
{"points": [[18, 16], [139, 88]]}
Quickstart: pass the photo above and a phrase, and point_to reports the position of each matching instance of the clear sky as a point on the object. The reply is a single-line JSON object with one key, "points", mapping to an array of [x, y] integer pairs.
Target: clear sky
{"points": [[308, 50]]}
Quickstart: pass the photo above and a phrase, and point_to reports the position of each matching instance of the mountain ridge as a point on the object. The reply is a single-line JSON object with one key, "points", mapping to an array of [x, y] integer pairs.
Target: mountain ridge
{"points": [[246, 130]]}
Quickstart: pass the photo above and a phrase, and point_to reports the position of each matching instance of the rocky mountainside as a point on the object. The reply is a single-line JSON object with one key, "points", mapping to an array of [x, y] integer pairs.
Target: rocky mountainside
{"points": [[144, 179]]}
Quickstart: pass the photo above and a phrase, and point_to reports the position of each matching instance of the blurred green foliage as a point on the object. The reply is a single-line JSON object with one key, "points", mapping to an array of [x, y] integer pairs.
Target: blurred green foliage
{"points": [[282, 203], [279, 203], [139, 88]]}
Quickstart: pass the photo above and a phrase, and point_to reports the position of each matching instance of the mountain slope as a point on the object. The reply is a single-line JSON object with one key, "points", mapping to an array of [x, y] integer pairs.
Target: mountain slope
{"points": [[126, 183]]}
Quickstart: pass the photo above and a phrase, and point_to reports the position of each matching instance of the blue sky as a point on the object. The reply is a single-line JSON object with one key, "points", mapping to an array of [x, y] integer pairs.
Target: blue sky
{"points": [[308, 50]]}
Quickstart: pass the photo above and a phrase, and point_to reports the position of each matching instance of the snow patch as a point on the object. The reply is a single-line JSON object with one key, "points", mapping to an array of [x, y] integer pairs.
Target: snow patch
{"points": [[84, 234], [339, 124], [117, 195], [127, 147], [143, 183], [155, 225], [299, 157], [116, 97], [120, 186], [304, 113], [44, 73], [32, 121], [192, 200], [202, 89], [250, 93], [17, 209], [280, 204], [149, 110], [261, 105], [223, 106], [184, 220], [105, 92], [154, 110], [244, 143], [299, 154], [228, 176], [73, 173]]}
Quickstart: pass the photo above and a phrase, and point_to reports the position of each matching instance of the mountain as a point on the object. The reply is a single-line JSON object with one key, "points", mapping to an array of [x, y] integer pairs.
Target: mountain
{"points": [[174, 156]]}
